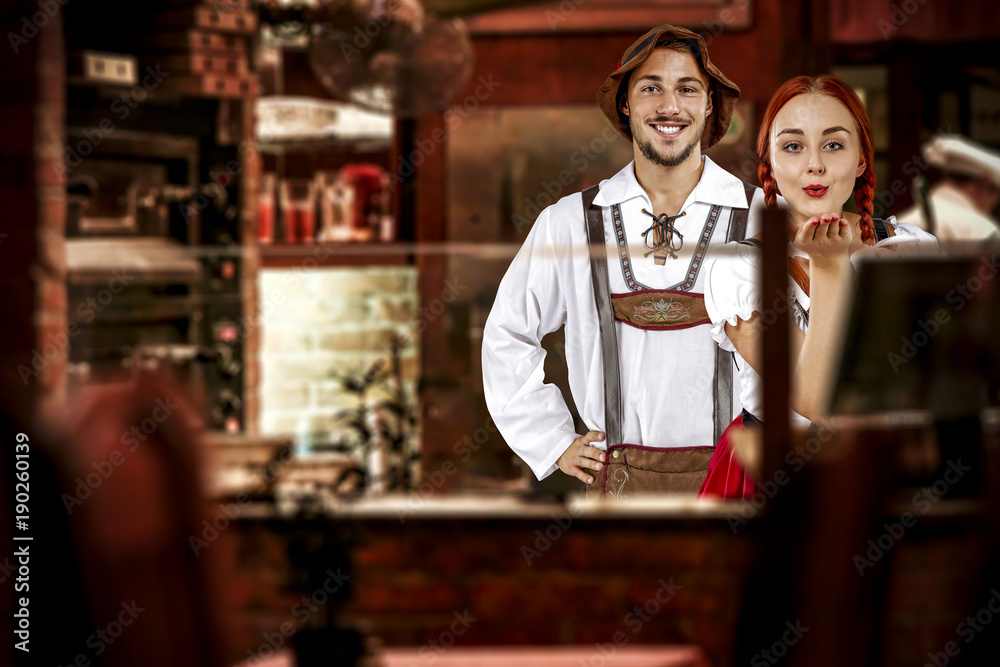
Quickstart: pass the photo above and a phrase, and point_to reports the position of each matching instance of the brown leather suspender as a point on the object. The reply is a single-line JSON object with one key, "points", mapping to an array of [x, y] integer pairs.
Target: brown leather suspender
{"points": [[605, 318]]}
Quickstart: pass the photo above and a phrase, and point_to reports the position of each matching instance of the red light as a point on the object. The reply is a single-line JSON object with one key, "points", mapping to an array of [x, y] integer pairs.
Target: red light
{"points": [[226, 333]]}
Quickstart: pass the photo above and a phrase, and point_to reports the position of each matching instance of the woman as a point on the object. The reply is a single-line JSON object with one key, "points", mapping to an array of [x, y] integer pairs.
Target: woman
{"points": [[815, 150]]}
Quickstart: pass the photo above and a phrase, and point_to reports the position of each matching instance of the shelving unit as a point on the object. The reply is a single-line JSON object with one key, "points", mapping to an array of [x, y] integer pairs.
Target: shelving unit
{"points": [[302, 159], [189, 123], [334, 144], [335, 254], [331, 254]]}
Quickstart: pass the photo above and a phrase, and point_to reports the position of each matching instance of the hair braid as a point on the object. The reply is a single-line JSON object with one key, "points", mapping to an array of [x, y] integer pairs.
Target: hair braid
{"points": [[864, 197], [768, 183]]}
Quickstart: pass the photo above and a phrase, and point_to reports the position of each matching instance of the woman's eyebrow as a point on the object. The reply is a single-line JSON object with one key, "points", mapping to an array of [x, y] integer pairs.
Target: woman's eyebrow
{"points": [[829, 130]]}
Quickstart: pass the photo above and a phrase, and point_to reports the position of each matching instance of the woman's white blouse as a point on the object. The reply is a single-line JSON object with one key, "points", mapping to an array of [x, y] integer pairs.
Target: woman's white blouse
{"points": [[732, 290]]}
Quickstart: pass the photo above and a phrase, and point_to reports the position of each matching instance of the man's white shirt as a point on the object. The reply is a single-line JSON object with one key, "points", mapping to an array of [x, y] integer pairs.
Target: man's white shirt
{"points": [[667, 377]]}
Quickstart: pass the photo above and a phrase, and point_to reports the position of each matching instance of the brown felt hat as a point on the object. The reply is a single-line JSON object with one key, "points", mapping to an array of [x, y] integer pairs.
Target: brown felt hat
{"points": [[724, 100]]}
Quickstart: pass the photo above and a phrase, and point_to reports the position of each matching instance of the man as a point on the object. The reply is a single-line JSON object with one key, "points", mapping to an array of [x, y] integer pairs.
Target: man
{"points": [[643, 368], [962, 202]]}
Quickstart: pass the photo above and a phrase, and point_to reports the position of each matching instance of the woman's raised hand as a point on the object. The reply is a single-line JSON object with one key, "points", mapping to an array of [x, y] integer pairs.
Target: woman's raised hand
{"points": [[826, 239]]}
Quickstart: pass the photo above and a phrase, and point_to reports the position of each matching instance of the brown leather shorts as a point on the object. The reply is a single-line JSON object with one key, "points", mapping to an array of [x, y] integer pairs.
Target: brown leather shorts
{"points": [[635, 470]]}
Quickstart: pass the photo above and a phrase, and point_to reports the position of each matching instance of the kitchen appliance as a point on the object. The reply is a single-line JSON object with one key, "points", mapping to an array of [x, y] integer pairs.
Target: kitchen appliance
{"points": [[371, 197], [153, 268]]}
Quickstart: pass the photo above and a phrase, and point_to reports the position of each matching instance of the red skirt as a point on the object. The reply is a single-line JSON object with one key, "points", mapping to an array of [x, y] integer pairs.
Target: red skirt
{"points": [[727, 480]]}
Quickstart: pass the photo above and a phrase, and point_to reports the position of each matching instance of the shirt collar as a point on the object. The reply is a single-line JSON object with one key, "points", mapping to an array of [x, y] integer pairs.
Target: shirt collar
{"points": [[620, 188], [716, 186]]}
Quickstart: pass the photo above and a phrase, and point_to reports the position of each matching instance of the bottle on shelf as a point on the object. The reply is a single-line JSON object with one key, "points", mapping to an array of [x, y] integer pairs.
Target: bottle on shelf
{"points": [[336, 206], [298, 205], [265, 208]]}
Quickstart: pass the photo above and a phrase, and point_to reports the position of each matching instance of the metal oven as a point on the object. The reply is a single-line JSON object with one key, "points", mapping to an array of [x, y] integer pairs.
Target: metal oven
{"points": [[154, 269]]}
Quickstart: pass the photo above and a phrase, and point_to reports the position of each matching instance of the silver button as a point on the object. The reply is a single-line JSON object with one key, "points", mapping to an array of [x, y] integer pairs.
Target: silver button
{"points": [[615, 454]]}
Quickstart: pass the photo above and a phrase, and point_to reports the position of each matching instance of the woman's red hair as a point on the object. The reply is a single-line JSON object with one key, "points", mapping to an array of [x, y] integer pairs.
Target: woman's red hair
{"points": [[825, 84]]}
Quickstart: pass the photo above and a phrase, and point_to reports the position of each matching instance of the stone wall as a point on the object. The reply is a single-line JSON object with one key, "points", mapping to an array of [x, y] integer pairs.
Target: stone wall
{"points": [[320, 326]]}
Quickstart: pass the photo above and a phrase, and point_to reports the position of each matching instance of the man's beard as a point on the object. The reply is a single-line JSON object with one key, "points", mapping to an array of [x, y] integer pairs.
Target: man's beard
{"points": [[649, 152]]}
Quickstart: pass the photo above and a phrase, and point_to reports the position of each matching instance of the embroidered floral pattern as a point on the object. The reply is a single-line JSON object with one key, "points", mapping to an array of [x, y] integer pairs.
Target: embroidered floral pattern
{"points": [[661, 311], [622, 475], [623, 256]]}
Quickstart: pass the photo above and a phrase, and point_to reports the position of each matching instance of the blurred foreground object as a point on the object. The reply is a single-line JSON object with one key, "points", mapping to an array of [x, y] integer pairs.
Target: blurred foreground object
{"points": [[954, 154], [922, 337], [877, 529], [961, 204], [132, 489]]}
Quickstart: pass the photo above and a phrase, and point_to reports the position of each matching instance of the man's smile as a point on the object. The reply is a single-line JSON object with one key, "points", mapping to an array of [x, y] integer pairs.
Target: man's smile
{"points": [[668, 129]]}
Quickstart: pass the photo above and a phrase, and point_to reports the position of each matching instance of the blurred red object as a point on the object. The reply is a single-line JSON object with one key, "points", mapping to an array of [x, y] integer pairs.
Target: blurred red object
{"points": [[298, 205], [265, 209], [370, 183], [138, 520]]}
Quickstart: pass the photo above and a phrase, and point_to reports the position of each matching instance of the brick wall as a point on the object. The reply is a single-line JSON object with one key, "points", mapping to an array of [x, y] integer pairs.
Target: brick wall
{"points": [[32, 248], [525, 581], [320, 325], [536, 581], [931, 579]]}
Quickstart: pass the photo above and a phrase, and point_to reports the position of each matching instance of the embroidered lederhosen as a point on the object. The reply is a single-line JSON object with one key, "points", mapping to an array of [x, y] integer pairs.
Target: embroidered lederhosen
{"points": [[636, 469]]}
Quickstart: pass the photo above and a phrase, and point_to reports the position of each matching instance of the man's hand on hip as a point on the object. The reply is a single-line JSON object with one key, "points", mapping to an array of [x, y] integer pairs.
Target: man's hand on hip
{"points": [[580, 457]]}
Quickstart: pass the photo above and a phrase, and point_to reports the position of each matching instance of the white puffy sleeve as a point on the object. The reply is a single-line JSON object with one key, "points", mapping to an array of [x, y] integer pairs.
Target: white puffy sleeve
{"points": [[732, 287], [908, 241], [531, 302]]}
